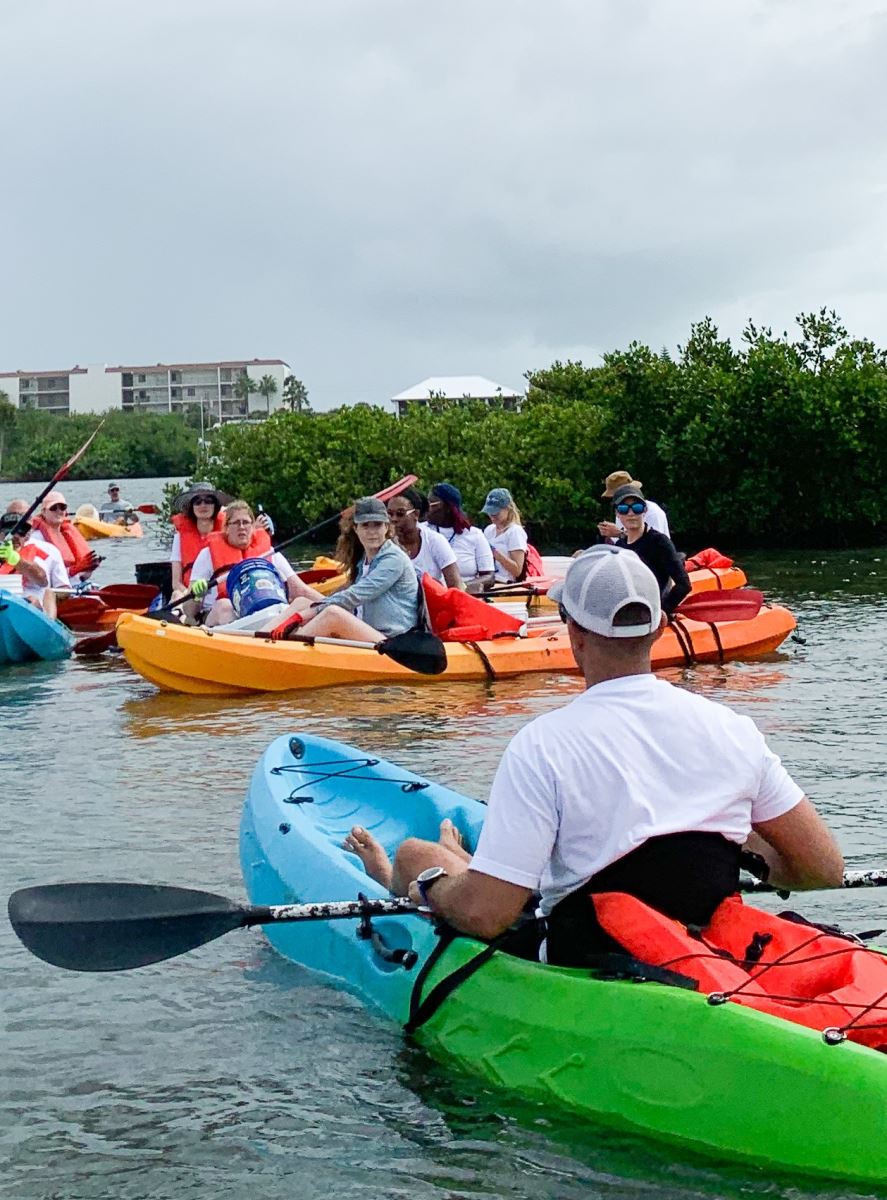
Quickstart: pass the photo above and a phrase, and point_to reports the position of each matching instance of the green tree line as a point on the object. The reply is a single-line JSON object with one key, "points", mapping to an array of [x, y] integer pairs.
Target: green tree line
{"points": [[35, 444], [778, 441]]}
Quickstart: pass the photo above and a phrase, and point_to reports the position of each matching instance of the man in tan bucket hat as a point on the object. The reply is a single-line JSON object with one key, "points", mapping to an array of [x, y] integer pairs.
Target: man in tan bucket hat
{"points": [[655, 516]]}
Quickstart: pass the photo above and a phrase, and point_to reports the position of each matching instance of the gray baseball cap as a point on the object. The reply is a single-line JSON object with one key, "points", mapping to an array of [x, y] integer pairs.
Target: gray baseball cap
{"points": [[601, 582], [367, 509]]}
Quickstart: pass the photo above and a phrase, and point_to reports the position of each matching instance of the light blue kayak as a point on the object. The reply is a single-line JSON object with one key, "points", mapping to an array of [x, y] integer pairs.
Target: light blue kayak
{"points": [[27, 633], [724, 1080]]}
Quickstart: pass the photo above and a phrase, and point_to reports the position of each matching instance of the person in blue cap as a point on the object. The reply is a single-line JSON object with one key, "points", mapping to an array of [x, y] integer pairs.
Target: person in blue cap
{"points": [[506, 535], [472, 550]]}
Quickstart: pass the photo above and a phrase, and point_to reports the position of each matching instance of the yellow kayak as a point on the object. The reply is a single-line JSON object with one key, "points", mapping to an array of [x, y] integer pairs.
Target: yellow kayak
{"points": [[94, 528], [198, 661]]}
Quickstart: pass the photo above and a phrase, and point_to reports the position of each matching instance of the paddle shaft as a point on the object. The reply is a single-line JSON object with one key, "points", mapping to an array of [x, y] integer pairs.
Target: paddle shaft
{"points": [[117, 927], [57, 478]]}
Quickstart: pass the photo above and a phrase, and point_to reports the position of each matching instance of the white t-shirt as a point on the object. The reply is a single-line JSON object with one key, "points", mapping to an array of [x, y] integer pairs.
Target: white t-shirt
{"points": [[435, 553], [58, 572], [53, 564], [512, 537], [471, 548], [629, 759], [654, 517], [203, 569]]}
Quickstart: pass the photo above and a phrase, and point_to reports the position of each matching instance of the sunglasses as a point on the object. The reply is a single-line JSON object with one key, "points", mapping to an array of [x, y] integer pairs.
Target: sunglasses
{"points": [[400, 512], [204, 500], [58, 508], [636, 507]]}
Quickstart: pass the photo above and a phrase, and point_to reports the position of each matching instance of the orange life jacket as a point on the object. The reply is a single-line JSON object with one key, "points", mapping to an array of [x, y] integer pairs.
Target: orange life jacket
{"points": [[709, 557], [30, 552], [818, 980], [67, 539], [226, 555], [192, 541], [457, 617]]}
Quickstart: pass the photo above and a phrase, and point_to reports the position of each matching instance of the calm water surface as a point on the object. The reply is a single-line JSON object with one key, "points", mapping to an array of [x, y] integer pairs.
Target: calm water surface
{"points": [[230, 1072]]}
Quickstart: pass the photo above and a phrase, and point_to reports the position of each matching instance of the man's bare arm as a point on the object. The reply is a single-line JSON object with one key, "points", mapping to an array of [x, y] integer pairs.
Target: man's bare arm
{"points": [[799, 849]]}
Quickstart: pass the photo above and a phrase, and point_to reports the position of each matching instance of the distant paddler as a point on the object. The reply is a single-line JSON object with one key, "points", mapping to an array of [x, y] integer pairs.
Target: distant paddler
{"points": [[115, 509]]}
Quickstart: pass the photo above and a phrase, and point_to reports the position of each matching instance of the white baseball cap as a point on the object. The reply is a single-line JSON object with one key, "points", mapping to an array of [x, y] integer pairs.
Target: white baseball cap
{"points": [[600, 583]]}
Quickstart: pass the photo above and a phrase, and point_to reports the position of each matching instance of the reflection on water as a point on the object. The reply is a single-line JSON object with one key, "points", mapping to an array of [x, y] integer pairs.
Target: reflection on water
{"points": [[232, 1072]]}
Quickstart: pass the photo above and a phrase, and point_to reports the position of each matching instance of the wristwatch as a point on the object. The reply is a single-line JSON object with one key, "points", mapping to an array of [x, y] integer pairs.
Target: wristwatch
{"points": [[426, 879]]}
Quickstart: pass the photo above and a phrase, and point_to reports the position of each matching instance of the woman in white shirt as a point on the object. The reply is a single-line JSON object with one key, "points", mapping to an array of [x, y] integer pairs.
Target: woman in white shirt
{"points": [[472, 550], [429, 552], [506, 535]]}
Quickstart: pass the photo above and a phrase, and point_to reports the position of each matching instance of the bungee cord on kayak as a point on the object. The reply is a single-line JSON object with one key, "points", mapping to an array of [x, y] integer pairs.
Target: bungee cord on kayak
{"points": [[347, 771]]}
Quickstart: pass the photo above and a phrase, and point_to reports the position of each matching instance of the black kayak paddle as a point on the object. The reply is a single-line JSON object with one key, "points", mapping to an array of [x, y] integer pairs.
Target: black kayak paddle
{"points": [[119, 926]]}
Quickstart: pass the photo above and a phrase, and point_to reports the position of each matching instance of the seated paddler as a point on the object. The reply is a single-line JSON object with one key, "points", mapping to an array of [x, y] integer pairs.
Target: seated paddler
{"points": [[253, 582], [635, 786], [381, 598]]}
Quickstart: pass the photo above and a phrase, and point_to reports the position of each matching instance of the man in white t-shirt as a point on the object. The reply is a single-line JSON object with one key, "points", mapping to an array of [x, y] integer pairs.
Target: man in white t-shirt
{"points": [[42, 567], [633, 769]]}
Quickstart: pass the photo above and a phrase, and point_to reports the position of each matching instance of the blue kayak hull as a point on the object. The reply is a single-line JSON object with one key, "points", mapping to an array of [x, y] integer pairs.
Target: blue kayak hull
{"points": [[26, 633], [293, 824]]}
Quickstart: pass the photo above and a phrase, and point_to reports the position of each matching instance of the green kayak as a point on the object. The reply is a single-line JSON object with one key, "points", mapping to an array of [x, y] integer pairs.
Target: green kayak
{"points": [[723, 1080]]}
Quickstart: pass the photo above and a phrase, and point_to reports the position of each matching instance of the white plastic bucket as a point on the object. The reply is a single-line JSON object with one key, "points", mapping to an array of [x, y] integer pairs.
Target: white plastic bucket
{"points": [[12, 583]]}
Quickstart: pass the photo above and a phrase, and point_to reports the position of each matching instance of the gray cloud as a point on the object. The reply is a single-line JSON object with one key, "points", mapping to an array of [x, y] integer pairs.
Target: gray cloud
{"points": [[378, 191]]}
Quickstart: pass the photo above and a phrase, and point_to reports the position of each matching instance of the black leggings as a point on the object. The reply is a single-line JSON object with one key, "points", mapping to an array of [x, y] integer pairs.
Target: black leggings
{"points": [[683, 875]]}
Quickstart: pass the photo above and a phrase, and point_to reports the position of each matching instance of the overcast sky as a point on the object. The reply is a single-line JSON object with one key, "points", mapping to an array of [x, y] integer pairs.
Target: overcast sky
{"points": [[381, 190]]}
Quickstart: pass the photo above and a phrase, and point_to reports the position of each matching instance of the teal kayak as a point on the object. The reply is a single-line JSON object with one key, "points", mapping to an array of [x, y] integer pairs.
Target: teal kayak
{"points": [[26, 632], [723, 1080]]}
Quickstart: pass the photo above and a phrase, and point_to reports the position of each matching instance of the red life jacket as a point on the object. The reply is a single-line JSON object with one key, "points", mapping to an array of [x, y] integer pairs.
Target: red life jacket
{"points": [[533, 564], [709, 557], [820, 981], [457, 617], [225, 555], [192, 541], [67, 539], [30, 552]]}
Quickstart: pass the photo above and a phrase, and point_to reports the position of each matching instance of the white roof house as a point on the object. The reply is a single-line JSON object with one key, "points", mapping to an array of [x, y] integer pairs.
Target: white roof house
{"points": [[456, 387]]}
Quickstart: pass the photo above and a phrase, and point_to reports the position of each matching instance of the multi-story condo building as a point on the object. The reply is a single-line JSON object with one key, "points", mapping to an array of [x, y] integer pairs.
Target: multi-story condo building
{"points": [[164, 387]]}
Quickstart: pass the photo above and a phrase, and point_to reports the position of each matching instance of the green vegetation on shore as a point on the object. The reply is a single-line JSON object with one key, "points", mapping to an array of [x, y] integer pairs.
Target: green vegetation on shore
{"points": [[780, 442], [34, 444]]}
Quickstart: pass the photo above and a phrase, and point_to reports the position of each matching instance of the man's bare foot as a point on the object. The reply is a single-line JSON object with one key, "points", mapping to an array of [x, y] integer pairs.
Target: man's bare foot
{"points": [[371, 853], [452, 839]]}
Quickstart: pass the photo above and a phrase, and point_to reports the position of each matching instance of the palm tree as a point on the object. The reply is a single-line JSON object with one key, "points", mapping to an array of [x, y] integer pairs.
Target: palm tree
{"points": [[244, 386], [268, 388], [295, 394]]}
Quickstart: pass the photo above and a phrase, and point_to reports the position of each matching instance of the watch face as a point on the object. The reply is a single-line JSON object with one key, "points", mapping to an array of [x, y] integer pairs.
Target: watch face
{"points": [[430, 873]]}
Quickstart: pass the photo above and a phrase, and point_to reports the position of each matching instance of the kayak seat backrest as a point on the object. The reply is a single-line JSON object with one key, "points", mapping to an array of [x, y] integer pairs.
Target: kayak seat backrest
{"points": [[824, 982], [455, 616], [654, 938]]}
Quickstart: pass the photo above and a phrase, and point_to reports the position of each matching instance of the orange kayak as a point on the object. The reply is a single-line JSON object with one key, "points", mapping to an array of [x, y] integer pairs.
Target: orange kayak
{"points": [[179, 658]]}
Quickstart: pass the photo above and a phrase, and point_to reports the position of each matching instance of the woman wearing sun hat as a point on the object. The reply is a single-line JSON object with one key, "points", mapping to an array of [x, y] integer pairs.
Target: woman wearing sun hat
{"points": [[197, 513], [506, 535]]}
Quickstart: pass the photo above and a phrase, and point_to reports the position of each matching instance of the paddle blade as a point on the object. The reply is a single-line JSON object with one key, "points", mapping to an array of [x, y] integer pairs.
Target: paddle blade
{"points": [[149, 509], [740, 604], [97, 644], [417, 651], [117, 926], [129, 595]]}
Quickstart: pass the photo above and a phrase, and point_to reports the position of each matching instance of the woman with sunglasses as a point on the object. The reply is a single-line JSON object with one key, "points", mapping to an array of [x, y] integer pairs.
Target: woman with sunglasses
{"points": [[197, 513], [656, 550], [429, 552], [52, 525], [472, 550]]}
